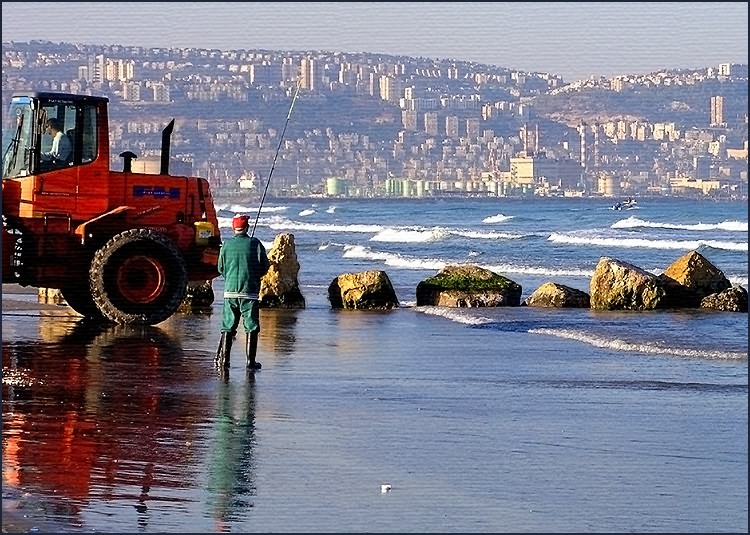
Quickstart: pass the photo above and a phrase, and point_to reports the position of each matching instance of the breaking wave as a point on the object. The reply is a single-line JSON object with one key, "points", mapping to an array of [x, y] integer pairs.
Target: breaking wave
{"points": [[639, 347]]}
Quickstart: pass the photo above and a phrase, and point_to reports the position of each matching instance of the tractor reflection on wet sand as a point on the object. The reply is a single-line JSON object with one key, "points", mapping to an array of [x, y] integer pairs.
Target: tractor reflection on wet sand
{"points": [[121, 246]]}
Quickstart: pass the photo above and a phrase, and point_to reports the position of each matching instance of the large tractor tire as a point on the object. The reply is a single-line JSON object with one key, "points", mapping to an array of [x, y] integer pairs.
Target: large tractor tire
{"points": [[138, 276]]}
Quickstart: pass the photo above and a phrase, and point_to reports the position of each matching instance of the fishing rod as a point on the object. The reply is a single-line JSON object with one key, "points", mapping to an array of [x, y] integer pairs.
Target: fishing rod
{"points": [[273, 165]]}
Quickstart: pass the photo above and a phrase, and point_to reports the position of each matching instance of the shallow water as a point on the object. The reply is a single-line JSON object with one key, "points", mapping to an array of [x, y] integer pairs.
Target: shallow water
{"points": [[476, 426]]}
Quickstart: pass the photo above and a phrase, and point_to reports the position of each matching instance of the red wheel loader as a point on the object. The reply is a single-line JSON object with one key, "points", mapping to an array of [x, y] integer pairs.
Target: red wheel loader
{"points": [[121, 246]]}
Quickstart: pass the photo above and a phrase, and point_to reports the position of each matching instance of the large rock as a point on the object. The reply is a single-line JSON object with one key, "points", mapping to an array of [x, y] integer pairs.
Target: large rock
{"points": [[553, 295], [468, 286], [279, 287], [366, 290], [732, 300], [617, 285], [689, 279]]}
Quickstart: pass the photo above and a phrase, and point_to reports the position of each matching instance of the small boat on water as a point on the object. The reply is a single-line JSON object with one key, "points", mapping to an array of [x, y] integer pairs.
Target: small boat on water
{"points": [[627, 204]]}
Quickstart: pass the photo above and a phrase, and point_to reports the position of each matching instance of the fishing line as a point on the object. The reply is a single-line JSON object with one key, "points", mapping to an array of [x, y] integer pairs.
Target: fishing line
{"points": [[273, 165]]}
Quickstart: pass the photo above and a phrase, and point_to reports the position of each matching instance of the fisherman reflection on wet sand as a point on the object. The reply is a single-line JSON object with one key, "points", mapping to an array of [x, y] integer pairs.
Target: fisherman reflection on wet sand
{"points": [[231, 473]]}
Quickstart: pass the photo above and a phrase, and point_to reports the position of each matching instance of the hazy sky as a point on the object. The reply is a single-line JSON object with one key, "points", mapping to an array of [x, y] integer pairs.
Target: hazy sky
{"points": [[573, 39]]}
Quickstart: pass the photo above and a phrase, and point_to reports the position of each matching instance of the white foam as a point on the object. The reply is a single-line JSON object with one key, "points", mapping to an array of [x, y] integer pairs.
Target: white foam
{"points": [[407, 262], [245, 209], [634, 222], [540, 271], [287, 224], [454, 314], [392, 259], [488, 235], [687, 245], [410, 236], [642, 347]]}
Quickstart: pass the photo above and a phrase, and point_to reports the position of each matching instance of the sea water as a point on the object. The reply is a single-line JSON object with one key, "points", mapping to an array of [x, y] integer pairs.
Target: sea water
{"points": [[530, 241]]}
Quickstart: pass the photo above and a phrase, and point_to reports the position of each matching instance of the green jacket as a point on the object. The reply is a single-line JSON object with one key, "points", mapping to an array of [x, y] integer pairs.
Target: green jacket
{"points": [[242, 263]]}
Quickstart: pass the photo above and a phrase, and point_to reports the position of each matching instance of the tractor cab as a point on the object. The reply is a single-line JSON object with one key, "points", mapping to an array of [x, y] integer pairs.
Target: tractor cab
{"points": [[51, 131]]}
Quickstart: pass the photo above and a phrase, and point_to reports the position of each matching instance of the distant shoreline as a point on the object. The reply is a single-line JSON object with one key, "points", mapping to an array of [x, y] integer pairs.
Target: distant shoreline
{"points": [[219, 198]]}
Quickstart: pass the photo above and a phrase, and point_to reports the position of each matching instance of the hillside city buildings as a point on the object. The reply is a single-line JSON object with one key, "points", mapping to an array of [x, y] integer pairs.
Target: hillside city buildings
{"points": [[372, 125]]}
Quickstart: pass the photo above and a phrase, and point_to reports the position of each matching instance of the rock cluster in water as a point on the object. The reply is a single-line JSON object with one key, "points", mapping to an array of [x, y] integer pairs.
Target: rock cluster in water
{"points": [[691, 281]]}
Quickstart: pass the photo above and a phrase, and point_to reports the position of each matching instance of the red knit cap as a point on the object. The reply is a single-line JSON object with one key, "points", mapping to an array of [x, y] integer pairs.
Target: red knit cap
{"points": [[240, 222]]}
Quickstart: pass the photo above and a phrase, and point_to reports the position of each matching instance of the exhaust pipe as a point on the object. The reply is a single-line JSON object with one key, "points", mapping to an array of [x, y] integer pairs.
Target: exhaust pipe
{"points": [[166, 135], [128, 164]]}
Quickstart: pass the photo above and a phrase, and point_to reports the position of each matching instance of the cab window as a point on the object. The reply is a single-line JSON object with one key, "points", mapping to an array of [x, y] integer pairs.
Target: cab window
{"points": [[17, 139], [75, 129], [88, 139], [57, 142]]}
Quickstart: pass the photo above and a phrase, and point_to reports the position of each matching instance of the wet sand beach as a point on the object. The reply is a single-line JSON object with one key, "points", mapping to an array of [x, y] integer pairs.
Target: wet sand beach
{"points": [[19, 299], [397, 421]]}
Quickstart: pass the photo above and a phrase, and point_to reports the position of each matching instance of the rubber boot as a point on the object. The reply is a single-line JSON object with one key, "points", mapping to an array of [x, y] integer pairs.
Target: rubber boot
{"points": [[251, 348], [225, 348]]}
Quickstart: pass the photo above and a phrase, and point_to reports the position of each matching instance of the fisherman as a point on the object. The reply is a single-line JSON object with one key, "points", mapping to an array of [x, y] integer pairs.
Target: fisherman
{"points": [[242, 263]]}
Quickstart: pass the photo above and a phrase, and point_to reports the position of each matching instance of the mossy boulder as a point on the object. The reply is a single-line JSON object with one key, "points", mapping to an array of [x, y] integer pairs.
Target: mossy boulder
{"points": [[468, 286]]}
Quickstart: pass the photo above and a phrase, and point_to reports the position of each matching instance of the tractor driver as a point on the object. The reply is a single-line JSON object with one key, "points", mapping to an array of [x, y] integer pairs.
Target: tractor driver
{"points": [[61, 147]]}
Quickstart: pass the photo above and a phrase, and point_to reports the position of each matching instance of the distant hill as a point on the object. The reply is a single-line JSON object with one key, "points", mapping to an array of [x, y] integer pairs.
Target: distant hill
{"points": [[682, 104]]}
